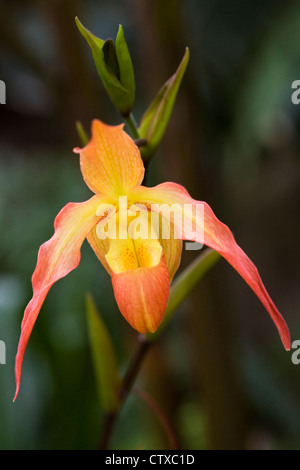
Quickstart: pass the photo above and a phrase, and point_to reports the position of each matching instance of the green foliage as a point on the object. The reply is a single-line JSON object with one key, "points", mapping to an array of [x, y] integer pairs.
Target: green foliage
{"points": [[155, 119], [104, 359]]}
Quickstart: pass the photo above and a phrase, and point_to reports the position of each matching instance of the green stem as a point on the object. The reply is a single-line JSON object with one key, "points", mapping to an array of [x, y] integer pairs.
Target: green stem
{"points": [[127, 384], [181, 287], [134, 367], [130, 121]]}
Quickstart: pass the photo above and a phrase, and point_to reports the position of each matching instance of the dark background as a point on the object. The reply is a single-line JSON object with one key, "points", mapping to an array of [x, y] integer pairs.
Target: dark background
{"points": [[220, 371]]}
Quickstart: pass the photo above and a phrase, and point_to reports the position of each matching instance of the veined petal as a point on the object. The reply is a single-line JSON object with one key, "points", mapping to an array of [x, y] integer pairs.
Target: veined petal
{"points": [[211, 232], [142, 295], [111, 162], [56, 258], [140, 280]]}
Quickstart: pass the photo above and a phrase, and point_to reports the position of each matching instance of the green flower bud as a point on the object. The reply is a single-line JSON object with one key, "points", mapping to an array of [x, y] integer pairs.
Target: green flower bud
{"points": [[114, 66]]}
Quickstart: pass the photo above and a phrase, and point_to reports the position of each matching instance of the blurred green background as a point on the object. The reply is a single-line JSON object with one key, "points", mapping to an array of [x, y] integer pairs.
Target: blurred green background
{"points": [[220, 371]]}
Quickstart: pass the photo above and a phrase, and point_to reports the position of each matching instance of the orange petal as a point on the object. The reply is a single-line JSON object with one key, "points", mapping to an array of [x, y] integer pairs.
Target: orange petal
{"points": [[171, 246], [111, 162], [213, 233], [142, 295], [140, 280], [56, 258]]}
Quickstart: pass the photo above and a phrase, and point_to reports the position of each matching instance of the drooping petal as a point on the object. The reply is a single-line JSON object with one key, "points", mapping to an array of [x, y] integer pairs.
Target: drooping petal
{"points": [[111, 162], [56, 258], [211, 232], [140, 280]]}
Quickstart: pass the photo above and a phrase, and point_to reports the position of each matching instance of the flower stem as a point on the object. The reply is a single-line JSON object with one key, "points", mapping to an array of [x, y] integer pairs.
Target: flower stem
{"points": [[182, 286], [130, 121], [142, 347], [109, 421]]}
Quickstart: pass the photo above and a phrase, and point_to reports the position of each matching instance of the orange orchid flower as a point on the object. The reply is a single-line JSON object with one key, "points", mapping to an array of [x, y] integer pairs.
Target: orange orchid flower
{"points": [[141, 268]]}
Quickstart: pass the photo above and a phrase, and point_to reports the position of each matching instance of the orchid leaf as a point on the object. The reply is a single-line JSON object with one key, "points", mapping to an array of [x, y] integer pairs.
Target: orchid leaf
{"points": [[154, 121], [104, 359]]}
